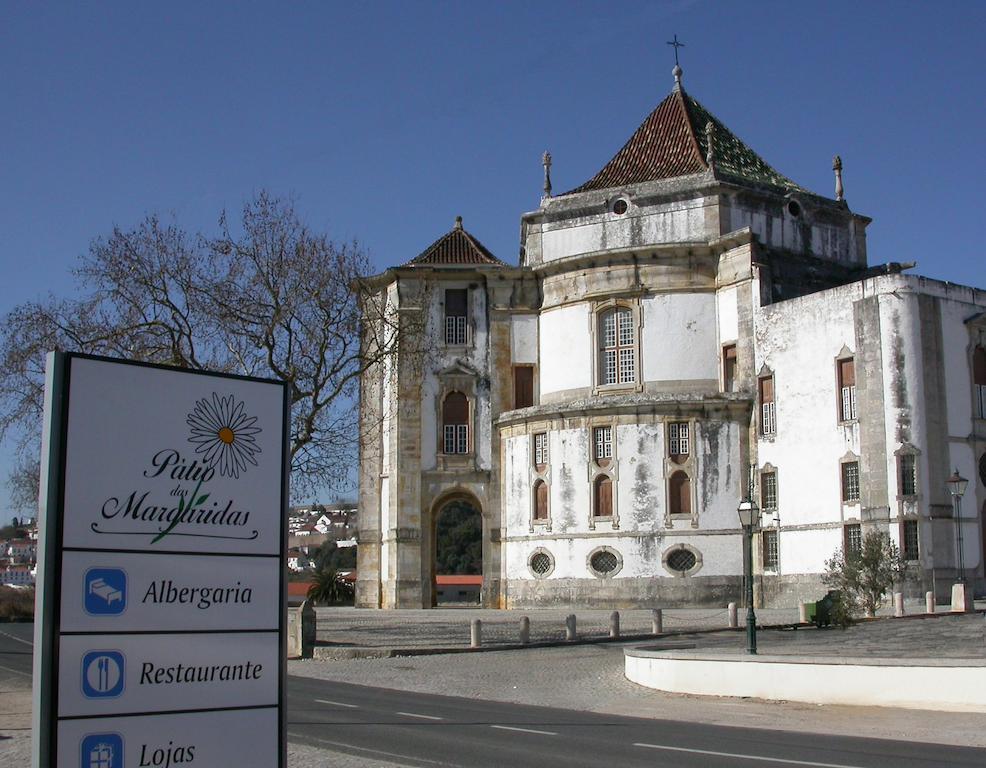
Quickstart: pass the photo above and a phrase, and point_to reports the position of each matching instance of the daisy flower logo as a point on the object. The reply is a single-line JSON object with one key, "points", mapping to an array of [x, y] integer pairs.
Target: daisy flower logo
{"points": [[224, 434]]}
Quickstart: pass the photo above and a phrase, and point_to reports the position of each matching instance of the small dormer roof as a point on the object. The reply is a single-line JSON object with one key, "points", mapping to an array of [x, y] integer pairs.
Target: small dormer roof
{"points": [[456, 248], [673, 141]]}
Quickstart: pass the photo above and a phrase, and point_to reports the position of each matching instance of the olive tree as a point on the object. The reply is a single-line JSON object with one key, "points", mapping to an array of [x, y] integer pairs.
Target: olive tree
{"points": [[864, 576]]}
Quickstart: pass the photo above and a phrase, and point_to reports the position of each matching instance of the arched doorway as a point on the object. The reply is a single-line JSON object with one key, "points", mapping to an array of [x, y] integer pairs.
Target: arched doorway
{"points": [[457, 547]]}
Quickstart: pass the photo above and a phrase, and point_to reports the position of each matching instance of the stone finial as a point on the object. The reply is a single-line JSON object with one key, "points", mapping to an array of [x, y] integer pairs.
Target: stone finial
{"points": [[837, 167], [546, 162], [458, 222], [677, 75], [710, 141]]}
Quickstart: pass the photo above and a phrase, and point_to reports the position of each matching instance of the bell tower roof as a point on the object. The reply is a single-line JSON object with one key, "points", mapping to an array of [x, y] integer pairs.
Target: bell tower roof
{"points": [[679, 138]]}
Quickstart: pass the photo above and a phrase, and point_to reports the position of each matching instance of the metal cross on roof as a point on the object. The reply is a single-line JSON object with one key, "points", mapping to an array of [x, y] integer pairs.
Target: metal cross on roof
{"points": [[676, 45]]}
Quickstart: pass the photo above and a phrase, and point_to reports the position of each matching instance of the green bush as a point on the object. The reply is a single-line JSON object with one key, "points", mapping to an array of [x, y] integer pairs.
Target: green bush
{"points": [[864, 576]]}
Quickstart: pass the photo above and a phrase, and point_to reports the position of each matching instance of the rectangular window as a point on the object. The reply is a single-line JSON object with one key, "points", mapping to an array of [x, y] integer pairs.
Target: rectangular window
{"points": [[617, 358], [456, 438], [768, 422], [523, 386], [729, 368], [603, 439], [909, 539], [847, 390], [852, 538], [456, 326], [850, 482], [768, 490], [678, 438], [770, 557], [540, 449], [908, 475], [979, 379]]}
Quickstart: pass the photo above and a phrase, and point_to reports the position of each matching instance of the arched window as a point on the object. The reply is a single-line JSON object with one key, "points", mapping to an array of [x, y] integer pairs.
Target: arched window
{"points": [[602, 501], [680, 494], [979, 377], [617, 359], [540, 500], [455, 419]]}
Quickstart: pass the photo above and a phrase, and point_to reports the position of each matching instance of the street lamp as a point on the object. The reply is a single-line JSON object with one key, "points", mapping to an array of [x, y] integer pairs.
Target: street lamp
{"points": [[956, 486], [749, 515]]}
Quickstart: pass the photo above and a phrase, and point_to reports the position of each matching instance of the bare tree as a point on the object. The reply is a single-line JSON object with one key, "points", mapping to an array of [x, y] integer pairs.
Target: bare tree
{"points": [[265, 297]]}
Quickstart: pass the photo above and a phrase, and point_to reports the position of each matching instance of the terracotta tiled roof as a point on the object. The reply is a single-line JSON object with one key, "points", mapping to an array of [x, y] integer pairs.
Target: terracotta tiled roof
{"points": [[672, 142], [456, 247]]}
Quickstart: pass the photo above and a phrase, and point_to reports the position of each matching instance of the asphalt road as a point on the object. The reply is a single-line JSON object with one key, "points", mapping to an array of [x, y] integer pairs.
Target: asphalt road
{"points": [[415, 729], [425, 730]]}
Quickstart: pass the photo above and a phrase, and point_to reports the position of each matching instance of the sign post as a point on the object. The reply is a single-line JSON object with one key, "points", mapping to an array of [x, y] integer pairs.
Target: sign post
{"points": [[160, 638]]}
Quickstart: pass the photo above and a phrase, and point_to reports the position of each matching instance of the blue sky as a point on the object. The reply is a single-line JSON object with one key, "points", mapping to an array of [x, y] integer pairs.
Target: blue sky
{"points": [[386, 120]]}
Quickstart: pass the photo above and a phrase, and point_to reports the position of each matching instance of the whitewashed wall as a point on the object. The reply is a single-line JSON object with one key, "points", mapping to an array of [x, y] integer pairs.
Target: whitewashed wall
{"points": [[679, 337], [565, 349]]}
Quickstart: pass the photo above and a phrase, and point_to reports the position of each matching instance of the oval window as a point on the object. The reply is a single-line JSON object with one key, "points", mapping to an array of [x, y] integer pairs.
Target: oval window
{"points": [[682, 560]]}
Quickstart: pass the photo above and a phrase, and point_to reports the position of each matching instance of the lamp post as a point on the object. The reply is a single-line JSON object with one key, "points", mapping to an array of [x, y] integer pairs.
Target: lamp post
{"points": [[956, 485], [749, 515]]}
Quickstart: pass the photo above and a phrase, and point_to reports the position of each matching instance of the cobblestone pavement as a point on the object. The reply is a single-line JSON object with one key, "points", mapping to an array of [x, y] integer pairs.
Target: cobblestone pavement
{"points": [[449, 628]]}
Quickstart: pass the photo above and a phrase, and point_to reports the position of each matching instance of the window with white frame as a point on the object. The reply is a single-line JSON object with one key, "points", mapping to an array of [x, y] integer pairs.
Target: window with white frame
{"points": [[540, 450], [455, 420], [456, 316], [768, 490], [847, 390], [678, 438], [617, 358], [768, 419], [770, 553], [603, 445], [850, 482]]}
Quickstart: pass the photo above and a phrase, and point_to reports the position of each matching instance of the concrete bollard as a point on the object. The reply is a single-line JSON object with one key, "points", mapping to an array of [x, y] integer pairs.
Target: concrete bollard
{"points": [[898, 604], [657, 621], [802, 612], [961, 597], [614, 624], [525, 630], [733, 621], [929, 602], [476, 634], [308, 629], [570, 627]]}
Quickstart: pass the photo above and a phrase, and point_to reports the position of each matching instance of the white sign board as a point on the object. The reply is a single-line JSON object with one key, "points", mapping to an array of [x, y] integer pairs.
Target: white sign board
{"points": [[161, 574]]}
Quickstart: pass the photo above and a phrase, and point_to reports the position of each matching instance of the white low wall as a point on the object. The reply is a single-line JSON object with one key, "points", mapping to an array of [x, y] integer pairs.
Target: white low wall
{"points": [[954, 685]]}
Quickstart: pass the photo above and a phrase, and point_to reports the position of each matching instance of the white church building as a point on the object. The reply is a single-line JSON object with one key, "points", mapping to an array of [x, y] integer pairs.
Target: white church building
{"points": [[685, 328]]}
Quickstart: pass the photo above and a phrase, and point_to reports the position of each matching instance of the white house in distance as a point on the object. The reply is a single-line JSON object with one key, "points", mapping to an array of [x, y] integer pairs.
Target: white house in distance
{"points": [[685, 328]]}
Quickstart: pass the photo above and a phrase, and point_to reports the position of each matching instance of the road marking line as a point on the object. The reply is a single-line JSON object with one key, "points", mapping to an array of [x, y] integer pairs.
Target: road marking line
{"points": [[524, 730], [304, 738], [336, 703], [18, 639], [423, 717], [16, 671], [758, 758]]}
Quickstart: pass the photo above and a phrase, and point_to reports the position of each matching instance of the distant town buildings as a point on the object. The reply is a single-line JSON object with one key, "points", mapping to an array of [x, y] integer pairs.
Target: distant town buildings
{"points": [[19, 556]]}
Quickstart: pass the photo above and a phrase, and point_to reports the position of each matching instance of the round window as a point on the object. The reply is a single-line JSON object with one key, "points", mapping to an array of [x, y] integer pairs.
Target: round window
{"points": [[793, 208], [604, 561], [681, 560], [982, 468], [620, 207], [541, 563]]}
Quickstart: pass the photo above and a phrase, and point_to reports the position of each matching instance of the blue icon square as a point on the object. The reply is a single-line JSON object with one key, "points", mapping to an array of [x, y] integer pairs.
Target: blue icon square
{"points": [[105, 591], [103, 674], [102, 750]]}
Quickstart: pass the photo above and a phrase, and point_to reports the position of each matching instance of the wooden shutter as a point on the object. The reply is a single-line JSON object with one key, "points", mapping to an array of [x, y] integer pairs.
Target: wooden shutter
{"points": [[767, 389], [455, 302], [604, 497], [979, 365], [847, 373], [455, 410], [541, 504], [679, 494], [523, 386]]}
